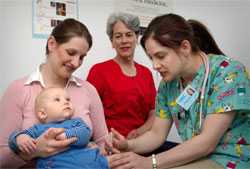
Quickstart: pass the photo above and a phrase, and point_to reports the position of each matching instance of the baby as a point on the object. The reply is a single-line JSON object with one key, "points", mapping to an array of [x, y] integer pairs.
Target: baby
{"points": [[54, 110]]}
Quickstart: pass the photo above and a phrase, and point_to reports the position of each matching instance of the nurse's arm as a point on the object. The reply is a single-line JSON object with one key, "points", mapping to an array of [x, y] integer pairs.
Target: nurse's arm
{"points": [[214, 127]]}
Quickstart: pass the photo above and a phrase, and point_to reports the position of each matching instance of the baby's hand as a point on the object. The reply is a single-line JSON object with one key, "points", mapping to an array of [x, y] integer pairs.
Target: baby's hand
{"points": [[61, 136], [26, 144]]}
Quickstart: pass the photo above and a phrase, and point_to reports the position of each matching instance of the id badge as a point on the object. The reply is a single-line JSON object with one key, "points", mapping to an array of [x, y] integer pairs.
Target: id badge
{"points": [[187, 97]]}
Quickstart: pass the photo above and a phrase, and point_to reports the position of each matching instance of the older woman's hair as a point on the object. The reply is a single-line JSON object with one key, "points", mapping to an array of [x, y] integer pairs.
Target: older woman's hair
{"points": [[131, 21]]}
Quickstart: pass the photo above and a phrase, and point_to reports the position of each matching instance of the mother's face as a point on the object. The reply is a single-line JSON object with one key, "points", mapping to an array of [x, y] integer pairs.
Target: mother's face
{"points": [[65, 58]]}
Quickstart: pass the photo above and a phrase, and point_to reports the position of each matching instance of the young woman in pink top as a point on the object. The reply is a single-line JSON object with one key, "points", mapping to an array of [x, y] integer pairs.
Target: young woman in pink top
{"points": [[66, 48]]}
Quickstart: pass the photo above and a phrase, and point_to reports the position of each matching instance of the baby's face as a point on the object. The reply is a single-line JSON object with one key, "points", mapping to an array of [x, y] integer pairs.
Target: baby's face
{"points": [[58, 105]]}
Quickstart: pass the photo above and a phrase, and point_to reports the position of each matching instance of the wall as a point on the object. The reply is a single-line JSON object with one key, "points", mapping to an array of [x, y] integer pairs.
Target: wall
{"points": [[228, 20]]}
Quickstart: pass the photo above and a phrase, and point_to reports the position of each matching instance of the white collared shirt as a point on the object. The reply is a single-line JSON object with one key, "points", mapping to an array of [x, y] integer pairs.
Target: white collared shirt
{"points": [[36, 76]]}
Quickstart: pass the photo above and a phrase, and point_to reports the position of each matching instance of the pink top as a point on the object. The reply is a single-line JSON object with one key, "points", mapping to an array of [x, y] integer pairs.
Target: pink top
{"points": [[17, 111]]}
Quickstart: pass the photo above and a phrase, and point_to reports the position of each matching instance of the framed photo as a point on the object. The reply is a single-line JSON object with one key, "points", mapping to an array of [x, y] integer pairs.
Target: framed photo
{"points": [[46, 14]]}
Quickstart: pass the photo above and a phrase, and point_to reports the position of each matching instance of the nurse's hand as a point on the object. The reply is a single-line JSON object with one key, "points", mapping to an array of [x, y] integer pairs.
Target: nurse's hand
{"points": [[47, 144], [129, 160]]}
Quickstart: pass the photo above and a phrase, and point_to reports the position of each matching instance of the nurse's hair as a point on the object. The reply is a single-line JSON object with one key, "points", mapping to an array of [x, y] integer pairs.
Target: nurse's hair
{"points": [[131, 21], [170, 30]]}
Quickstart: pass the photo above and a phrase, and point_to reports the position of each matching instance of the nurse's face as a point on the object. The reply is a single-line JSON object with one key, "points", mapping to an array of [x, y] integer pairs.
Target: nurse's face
{"points": [[165, 60]]}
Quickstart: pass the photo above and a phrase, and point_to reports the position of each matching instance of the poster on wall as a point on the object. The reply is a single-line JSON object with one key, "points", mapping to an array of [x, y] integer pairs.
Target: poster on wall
{"points": [[48, 13], [146, 10]]}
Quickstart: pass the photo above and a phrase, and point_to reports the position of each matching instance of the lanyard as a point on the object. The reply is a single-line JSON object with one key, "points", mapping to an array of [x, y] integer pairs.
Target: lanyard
{"points": [[203, 87]]}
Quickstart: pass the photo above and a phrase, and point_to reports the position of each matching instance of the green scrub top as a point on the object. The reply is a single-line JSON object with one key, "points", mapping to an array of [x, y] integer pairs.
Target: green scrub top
{"points": [[227, 89]]}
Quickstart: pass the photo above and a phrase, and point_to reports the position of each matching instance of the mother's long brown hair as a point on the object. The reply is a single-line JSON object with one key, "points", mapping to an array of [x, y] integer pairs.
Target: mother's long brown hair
{"points": [[68, 29]]}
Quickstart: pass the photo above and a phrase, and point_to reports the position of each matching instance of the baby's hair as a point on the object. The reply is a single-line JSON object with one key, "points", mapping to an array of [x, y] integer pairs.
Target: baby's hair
{"points": [[41, 95]]}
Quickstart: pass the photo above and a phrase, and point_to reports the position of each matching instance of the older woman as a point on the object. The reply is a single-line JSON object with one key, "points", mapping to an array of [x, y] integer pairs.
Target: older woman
{"points": [[126, 87]]}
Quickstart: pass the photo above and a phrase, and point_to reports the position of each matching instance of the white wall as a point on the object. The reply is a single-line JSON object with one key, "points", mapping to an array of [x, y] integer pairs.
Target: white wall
{"points": [[228, 20]]}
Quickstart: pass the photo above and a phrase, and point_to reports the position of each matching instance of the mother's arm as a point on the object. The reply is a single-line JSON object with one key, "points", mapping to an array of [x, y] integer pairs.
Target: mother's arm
{"points": [[11, 120], [11, 113], [100, 131]]}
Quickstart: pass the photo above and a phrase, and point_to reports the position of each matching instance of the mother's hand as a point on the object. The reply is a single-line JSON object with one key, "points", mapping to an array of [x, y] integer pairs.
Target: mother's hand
{"points": [[47, 144], [129, 160]]}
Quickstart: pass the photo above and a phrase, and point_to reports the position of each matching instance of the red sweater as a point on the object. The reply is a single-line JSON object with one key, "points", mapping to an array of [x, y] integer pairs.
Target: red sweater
{"points": [[127, 100]]}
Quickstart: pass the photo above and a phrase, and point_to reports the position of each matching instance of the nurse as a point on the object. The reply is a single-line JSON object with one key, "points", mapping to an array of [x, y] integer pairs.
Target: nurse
{"points": [[213, 122]]}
